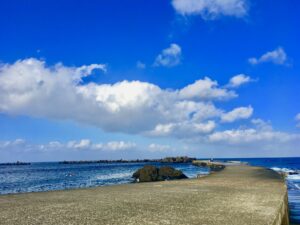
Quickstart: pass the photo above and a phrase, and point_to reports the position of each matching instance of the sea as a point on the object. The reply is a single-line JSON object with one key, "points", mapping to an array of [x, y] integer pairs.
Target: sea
{"points": [[48, 176]]}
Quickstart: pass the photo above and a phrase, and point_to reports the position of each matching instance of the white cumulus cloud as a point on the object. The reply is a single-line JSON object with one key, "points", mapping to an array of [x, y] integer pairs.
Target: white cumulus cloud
{"points": [[252, 136], [169, 57], [159, 148], [183, 130], [206, 89], [238, 80], [30, 87], [82, 144], [260, 136], [237, 114], [277, 56], [119, 145], [262, 125], [211, 9]]}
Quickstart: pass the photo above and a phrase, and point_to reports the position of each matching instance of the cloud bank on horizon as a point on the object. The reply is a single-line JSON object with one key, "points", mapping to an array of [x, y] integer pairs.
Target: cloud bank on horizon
{"points": [[79, 145]]}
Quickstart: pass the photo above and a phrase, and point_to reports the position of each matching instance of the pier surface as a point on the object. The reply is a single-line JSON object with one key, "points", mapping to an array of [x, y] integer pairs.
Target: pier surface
{"points": [[237, 195]]}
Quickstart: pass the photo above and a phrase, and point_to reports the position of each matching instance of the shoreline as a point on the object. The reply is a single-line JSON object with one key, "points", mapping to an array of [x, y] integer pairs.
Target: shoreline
{"points": [[210, 199]]}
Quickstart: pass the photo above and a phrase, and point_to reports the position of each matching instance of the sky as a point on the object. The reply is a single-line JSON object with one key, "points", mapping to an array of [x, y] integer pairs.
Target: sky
{"points": [[147, 79]]}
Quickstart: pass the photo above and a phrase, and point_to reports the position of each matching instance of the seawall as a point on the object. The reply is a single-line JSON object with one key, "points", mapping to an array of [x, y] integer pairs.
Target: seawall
{"points": [[237, 195], [283, 212]]}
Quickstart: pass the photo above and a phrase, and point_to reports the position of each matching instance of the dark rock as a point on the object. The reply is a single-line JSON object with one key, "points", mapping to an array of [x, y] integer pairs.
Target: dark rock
{"points": [[151, 173], [146, 174], [179, 159], [212, 165], [216, 167], [169, 173], [293, 173]]}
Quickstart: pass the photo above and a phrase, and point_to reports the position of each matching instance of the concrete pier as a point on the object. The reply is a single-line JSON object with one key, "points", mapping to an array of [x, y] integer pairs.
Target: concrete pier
{"points": [[237, 195]]}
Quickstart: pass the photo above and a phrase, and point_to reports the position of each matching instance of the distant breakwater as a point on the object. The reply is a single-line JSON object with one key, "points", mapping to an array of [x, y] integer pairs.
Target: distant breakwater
{"points": [[15, 164], [180, 159]]}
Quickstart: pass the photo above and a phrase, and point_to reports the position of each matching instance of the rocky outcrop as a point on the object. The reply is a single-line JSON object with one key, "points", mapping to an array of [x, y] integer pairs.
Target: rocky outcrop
{"points": [[179, 159], [169, 173], [212, 165], [151, 173], [146, 174]]}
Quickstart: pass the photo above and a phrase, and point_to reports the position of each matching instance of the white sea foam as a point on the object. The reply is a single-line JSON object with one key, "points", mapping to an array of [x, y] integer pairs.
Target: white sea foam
{"points": [[294, 177], [114, 176], [285, 170]]}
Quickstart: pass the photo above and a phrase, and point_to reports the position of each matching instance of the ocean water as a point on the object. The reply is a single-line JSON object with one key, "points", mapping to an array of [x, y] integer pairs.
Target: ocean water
{"points": [[54, 176]]}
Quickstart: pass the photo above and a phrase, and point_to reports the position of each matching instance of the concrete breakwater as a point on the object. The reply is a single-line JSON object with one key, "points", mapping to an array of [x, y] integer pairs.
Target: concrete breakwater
{"points": [[282, 217], [237, 195]]}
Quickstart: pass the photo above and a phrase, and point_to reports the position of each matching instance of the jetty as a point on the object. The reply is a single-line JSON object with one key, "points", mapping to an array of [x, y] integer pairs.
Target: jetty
{"points": [[236, 195]]}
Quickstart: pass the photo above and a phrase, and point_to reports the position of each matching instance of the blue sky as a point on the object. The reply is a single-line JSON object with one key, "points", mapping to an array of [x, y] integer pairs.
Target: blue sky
{"points": [[136, 79]]}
